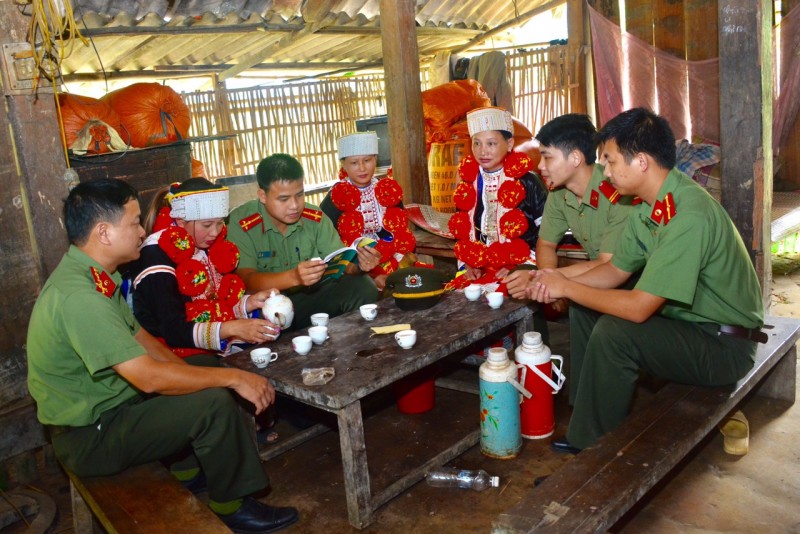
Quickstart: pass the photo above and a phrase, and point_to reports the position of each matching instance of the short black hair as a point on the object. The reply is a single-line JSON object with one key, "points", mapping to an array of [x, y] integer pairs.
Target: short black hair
{"points": [[573, 131], [278, 168], [641, 130], [95, 201]]}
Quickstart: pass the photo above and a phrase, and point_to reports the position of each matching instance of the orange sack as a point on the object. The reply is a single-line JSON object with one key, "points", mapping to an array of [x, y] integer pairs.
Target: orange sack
{"points": [[79, 111], [198, 169], [153, 114], [445, 104]]}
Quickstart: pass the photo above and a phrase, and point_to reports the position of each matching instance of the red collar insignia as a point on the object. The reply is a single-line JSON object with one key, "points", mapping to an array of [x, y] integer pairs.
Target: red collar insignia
{"points": [[609, 191], [636, 201], [594, 198], [248, 223], [314, 215], [102, 282], [664, 210]]}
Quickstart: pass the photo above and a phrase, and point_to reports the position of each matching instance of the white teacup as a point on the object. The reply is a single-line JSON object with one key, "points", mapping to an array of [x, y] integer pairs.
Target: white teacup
{"points": [[406, 338], [263, 357], [369, 311], [495, 299], [473, 291], [320, 319], [301, 344], [318, 334]]}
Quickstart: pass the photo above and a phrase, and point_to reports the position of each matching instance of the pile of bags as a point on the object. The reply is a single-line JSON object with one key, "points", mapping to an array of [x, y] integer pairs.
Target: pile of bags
{"points": [[141, 115]]}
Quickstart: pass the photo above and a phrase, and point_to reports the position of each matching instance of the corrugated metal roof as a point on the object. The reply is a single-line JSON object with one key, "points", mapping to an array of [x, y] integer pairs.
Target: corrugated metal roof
{"points": [[174, 37]]}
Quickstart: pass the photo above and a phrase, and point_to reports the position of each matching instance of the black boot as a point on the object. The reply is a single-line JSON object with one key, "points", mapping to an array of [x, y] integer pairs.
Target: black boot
{"points": [[254, 517]]}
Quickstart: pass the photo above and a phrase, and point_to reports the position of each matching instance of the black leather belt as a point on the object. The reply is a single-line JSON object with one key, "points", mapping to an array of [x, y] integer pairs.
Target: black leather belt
{"points": [[744, 333]]}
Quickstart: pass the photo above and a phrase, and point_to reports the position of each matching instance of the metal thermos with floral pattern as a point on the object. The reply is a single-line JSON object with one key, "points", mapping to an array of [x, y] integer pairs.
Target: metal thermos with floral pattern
{"points": [[500, 399]]}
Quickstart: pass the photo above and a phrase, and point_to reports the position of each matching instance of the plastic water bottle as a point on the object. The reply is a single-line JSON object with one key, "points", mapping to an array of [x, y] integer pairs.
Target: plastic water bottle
{"points": [[451, 477]]}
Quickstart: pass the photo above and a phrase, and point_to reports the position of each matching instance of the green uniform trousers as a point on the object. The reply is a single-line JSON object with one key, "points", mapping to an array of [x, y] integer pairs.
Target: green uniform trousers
{"points": [[605, 373], [334, 298], [207, 422]]}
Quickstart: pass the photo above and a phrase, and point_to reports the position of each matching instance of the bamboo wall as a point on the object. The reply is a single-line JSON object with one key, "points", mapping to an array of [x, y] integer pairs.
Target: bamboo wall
{"points": [[305, 120], [545, 84]]}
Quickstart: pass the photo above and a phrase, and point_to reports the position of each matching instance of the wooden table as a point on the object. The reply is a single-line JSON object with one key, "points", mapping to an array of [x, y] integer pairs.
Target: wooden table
{"points": [[450, 325]]}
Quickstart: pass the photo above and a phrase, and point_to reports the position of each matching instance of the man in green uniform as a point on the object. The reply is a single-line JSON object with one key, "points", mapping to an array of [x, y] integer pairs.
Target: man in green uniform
{"points": [[695, 314], [281, 239], [113, 396], [582, 200]]}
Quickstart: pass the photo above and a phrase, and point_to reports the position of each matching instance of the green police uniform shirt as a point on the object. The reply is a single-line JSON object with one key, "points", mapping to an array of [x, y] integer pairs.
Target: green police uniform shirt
{"points": [[692, 255], [597, 221], [264, 248], [80, 327]]}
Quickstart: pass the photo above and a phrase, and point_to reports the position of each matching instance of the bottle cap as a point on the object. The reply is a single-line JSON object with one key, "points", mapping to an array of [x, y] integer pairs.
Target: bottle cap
{"points": [[497, 355], [532, 338], [494, 481]]}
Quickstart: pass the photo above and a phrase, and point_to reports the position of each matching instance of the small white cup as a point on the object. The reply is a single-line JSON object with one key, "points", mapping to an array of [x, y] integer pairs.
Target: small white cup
{"points": [[473, 292], [318, 334], [495, 299], [369, 311], [263, 357], [320, 319], [406, 338], [301, 344]]}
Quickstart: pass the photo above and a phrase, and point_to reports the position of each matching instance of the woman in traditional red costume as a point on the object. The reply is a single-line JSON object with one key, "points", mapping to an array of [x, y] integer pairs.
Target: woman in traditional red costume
{"points": [[361, 205], [500, 202], [183, 288]]}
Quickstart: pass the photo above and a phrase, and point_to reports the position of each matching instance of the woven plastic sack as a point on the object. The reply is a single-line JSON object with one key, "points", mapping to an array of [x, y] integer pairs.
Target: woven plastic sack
{"points": [[78, 112], [153, 114], [449, 102], [198, 169]]}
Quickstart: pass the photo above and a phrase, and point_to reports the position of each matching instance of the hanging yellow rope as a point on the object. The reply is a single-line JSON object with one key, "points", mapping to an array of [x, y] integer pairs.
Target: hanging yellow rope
{"points": [[52, 36]]}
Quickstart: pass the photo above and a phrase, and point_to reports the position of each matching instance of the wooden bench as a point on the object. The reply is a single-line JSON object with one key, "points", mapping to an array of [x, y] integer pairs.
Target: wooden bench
{"points": [[594, 489], [141, 499]]}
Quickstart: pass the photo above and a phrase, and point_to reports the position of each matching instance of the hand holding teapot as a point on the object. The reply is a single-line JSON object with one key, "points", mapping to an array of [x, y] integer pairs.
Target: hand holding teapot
{"points": [[279, 310]]}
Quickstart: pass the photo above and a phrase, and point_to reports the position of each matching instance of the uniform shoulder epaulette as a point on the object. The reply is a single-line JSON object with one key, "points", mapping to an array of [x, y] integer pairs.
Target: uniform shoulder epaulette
{"points": [[609, 191], [312, 214], [102, 282], [249, 222], [664, 210]]}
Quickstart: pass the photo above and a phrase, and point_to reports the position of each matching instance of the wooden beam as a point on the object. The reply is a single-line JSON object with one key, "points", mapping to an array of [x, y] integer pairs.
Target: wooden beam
{"points": [[244, 63], [745, 79], [205, 29], [404, 99], [513, 23]]}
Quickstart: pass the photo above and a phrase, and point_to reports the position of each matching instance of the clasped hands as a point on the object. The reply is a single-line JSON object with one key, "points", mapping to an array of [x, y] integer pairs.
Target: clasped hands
{"points": [[545, 286]]}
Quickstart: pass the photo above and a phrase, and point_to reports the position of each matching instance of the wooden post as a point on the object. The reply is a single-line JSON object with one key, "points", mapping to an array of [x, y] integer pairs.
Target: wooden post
{"points": [[31, 192], [404, 99], [36, 162], [578, 32], [745, 79]]}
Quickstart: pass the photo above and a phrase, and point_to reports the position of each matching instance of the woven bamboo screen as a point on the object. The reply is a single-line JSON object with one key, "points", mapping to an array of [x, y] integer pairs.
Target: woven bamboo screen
{"points": [[544, 84], [303, 120], [306, 119]]}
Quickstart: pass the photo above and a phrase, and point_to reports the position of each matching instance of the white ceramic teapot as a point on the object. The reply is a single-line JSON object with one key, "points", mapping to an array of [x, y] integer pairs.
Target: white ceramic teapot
{"points": [[279, 310]]}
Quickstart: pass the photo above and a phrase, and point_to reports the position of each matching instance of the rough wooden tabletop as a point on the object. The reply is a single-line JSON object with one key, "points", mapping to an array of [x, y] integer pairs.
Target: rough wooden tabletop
{"points": [[365, 363]]}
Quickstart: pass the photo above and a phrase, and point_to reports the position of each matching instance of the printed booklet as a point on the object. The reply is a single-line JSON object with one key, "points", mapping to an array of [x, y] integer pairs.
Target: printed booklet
{"points": [[338, 260]]}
